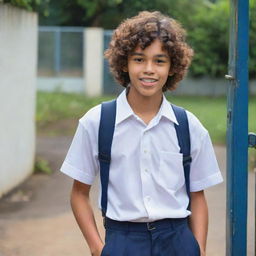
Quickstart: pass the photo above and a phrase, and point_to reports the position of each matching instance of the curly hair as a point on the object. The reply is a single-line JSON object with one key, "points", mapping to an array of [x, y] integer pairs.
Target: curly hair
{"points": [[142, 30]]}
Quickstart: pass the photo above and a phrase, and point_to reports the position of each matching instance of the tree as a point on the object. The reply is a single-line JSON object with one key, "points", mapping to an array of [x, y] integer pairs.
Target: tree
{"points": [[252, 40], [40, 6], [209, 36], [100, 13]]}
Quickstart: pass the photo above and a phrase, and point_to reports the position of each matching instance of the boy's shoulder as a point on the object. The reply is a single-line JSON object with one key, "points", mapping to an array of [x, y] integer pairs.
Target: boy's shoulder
{"points": [[91, 118], [196, 128], [194, 121]]}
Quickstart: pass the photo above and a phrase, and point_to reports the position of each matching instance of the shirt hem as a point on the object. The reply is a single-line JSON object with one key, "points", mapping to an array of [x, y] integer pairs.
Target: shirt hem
{"points": [[76, 174], [206, 183]]}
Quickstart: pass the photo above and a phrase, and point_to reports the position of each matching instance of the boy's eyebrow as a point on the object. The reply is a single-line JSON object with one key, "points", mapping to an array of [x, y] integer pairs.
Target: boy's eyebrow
{"points": [[162, 56], [158, 55], [137, 53]]}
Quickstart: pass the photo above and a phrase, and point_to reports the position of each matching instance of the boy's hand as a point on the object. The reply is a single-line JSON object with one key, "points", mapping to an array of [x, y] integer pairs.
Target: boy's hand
{"points": [[98, 251], [202, 253]]}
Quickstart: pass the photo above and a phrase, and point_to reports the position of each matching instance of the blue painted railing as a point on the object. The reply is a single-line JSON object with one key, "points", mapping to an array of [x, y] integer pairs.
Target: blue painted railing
{"points": [[237, 130]]}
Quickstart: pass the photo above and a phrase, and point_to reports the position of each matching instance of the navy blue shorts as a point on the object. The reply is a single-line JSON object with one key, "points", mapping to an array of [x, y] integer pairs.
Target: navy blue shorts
{"points": [[168, 237]]}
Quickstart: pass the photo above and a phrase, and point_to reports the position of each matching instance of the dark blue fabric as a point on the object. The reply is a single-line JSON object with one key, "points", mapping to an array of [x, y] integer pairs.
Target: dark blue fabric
{"points": [[143, 226], [173, 239], [106, 131]]}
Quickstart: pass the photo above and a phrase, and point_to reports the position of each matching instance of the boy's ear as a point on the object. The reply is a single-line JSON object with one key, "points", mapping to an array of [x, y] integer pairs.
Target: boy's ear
{"points": [[171, 73], [125, 69]]}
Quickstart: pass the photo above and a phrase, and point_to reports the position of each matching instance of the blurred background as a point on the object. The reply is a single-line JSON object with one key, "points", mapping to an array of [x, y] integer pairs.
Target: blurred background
{"points": [[53, 71]]}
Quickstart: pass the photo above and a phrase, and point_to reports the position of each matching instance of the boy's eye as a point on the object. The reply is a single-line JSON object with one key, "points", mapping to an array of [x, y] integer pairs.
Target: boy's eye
{"points": [[160, 61], [138, 59]]}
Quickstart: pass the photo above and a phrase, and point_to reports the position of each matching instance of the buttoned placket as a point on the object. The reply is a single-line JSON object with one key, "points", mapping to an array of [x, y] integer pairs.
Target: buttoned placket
{"points": [[146, 166]]}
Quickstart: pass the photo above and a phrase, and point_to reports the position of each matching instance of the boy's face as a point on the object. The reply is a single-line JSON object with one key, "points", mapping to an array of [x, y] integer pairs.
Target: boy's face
{"points": [[148, 69]]}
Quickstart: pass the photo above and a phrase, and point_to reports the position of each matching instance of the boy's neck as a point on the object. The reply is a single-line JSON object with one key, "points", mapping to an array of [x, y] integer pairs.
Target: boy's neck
{"points": [[145, 107]]}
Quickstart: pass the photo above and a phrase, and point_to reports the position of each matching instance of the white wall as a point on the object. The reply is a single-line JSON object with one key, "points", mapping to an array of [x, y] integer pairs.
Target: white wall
{"points": [[18, 62]]}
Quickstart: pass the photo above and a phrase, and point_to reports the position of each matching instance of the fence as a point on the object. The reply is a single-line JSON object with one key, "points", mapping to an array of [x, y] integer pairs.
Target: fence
{"points": [[60, 52], [63, 53]]}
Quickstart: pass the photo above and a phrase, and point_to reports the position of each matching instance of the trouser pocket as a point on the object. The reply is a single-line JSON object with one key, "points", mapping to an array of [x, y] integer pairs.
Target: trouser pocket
{"points": [[190, 243], [103, 253]]}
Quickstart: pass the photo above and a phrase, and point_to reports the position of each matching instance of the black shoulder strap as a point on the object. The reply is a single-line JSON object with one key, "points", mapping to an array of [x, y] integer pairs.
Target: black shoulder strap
{"points": [[183, 135], [106, 131]]}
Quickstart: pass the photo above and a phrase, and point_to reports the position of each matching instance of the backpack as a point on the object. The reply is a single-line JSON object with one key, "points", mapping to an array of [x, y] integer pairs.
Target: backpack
{"points": [[106, 131]]}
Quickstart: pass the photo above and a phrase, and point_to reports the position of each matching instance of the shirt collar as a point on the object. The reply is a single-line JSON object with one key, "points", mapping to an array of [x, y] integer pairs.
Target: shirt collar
{"points": [[124, 110], [167, 111]]}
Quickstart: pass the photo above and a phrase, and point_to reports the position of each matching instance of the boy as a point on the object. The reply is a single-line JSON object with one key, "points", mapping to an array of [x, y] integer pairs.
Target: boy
{"points": [[147, 202]]}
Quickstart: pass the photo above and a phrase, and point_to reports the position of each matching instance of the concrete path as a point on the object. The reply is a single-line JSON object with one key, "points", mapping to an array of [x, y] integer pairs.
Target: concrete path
{"points": [[36, 220]]}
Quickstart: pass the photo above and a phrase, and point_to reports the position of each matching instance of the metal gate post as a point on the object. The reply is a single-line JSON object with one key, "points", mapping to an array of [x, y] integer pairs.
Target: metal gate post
{"points": [[237, 130], [57, 51]]}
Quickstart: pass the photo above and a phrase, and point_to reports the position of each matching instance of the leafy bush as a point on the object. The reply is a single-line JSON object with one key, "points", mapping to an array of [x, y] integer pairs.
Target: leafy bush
{"points": [[252, 40], [208, 35], [40, 6], [42, 165]]}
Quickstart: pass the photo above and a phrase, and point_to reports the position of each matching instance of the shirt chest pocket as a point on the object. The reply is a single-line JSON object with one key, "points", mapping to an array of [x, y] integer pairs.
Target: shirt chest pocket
{"points": [[171, 173]]}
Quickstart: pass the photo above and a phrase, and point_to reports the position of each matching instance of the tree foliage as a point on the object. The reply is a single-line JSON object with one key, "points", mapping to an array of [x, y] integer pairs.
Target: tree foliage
{"points": [[208, 33], [252, 41], [40, 6]]}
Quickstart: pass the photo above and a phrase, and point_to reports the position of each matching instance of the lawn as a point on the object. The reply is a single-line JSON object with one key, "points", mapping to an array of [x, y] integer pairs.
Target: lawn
{"points": [[210, 111], [55, 111]]}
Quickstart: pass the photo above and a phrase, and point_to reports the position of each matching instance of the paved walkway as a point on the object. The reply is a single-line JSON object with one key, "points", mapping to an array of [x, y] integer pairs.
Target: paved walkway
{"points": [[36, 220]]}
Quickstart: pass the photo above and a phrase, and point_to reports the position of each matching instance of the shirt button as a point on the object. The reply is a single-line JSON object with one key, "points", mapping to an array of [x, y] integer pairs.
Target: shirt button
{"points": [[145, 151], [146, 170], [148, 198]]}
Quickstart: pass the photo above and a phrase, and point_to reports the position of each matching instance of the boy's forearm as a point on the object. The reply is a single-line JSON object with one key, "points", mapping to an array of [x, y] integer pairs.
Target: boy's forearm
{"points": [[83, 213], [199, 219]]}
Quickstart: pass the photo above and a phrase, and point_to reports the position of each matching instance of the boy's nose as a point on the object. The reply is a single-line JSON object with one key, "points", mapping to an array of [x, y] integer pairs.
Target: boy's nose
{"points": [[149, 68]]}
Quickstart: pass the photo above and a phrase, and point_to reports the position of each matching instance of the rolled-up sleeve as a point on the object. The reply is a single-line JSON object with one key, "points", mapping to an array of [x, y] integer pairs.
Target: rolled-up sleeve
{"points": [[204, 171], [81, 161]]}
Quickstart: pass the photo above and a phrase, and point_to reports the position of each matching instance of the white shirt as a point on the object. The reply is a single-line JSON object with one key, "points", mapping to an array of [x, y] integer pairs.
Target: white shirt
{"points": [[146, 179]]}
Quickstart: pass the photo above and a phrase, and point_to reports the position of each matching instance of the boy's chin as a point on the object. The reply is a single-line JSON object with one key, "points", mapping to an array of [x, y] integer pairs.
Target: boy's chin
{"points": [[150, 93]]}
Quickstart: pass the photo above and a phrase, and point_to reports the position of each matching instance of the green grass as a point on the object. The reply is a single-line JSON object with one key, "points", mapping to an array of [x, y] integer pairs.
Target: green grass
{"points": [[57, 106], [42, 165], [211, 111]]}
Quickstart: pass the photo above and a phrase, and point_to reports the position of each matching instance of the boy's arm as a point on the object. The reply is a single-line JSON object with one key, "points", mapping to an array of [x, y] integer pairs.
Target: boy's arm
{"points": [[83, 213], [199, 219]]}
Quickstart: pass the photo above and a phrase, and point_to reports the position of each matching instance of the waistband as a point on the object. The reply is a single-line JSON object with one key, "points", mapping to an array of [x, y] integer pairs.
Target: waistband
{"points": [[143, 226]]}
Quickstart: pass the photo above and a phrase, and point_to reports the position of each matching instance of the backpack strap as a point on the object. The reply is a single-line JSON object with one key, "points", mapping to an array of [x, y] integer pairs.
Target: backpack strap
{"points": [[106, 131], [183, 135]]}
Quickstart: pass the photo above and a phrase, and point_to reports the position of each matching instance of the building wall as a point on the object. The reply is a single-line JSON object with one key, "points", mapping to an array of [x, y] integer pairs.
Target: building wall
{"points": [[18, 68]]}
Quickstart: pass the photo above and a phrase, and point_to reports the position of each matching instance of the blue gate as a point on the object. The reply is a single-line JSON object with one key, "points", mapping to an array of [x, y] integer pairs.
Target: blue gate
{"points": [[237, 130]]}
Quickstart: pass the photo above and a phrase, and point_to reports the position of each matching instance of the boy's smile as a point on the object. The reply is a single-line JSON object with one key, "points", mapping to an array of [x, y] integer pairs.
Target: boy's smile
{"points": [[148, 70]]}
